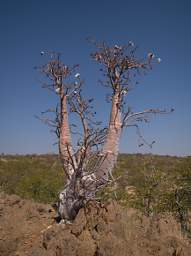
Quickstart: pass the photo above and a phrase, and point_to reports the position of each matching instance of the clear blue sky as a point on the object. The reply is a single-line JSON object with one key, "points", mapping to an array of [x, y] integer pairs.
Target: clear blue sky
{"points": [[27, 27]]}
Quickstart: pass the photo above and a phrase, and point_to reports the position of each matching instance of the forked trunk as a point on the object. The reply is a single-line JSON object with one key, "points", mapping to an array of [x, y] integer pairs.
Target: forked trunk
{"points": [[80, 186]]}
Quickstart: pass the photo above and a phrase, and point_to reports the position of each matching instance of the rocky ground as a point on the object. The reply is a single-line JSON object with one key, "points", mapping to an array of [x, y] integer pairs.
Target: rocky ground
{"points": [[29, 228]]}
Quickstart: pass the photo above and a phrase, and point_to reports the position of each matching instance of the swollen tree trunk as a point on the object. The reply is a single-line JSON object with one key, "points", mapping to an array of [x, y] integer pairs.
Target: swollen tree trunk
{"points": [[111, 146], [82, 185], [68, 204], [65, 144]]}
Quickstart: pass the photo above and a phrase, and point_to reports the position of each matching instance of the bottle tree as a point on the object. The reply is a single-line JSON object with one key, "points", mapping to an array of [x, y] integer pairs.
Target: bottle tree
{"points": [[88, 166]]}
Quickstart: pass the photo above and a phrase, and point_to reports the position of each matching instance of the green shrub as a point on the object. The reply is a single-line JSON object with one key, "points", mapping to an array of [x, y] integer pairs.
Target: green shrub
{"points": [[39, 178]]}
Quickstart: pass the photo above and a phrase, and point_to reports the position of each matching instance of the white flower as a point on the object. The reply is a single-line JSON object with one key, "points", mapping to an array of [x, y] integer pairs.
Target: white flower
{"points": [[117, 47], [57, 90], [77, 75], [159, 60], [124, 91], [151, 55], [131, 43]]}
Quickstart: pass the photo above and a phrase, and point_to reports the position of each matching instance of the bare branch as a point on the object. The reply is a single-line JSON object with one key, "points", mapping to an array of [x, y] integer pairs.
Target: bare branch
{"points": [[141, 116], [141, 137], [89, 167]]}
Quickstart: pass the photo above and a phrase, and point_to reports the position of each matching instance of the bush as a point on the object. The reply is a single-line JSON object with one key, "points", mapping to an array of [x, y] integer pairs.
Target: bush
{"points": [[39, 178]]}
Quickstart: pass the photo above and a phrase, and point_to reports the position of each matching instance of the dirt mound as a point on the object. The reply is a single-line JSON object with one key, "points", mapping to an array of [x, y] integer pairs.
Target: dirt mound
{"points": [[28, 229], [21, 223]]}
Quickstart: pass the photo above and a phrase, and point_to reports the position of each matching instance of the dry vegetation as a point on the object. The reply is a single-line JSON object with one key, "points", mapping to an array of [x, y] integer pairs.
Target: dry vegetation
{"points": [[151, 215], [152, 184]]}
